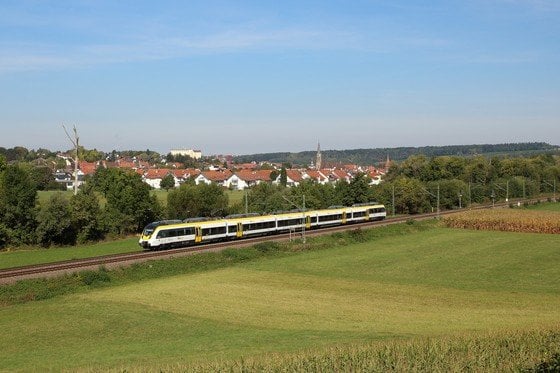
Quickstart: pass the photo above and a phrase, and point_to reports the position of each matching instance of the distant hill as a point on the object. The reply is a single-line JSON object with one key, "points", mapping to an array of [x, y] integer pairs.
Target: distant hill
{"points": [[379, 155]]}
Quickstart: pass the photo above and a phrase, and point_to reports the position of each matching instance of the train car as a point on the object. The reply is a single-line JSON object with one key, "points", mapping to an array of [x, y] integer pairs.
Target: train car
{"points": [[174, 233], [245, 225]]}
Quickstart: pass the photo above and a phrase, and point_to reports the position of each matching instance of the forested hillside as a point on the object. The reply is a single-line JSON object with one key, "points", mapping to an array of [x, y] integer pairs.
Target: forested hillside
{"points": [[379, 155]]}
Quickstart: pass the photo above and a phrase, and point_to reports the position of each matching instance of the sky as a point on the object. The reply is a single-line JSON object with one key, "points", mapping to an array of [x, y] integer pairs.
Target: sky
{"points": [[244, 77]]}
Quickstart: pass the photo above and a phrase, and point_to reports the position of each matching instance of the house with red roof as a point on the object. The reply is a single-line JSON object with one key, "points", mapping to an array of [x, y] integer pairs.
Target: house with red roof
{"points": [[88, 168], [213, 177], [316, 176], [337, 175], [293, 178], [247, 178], [153, 177]]}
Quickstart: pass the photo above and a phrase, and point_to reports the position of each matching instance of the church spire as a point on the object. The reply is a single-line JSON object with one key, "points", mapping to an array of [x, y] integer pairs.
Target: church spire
{"points": [[318, 160]]}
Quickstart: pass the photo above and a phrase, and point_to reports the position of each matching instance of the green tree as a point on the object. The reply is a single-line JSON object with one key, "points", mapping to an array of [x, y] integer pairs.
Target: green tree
{"points": [[54, 222], [129, 204], [43, 178], [196, 200], [283, 176], [167, 182], [410, 196], [17, 205], [86, 215], [266, 197]]}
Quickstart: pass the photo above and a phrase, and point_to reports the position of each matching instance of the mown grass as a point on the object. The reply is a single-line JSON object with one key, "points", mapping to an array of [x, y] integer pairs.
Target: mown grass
{"points": [[29, 256], [441, 287], [546, 206]]}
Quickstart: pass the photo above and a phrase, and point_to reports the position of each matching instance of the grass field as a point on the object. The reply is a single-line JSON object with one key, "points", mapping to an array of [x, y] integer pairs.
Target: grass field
{"points": [[18, 258], [438, 282], [235, 196], [548, 206]]}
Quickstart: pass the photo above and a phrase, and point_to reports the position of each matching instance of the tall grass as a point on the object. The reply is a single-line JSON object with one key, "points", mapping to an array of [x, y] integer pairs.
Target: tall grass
{"points": [[503, 351]]}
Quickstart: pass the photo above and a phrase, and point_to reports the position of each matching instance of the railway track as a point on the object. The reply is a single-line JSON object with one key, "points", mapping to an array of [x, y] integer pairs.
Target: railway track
{"points": [[118, 260]]}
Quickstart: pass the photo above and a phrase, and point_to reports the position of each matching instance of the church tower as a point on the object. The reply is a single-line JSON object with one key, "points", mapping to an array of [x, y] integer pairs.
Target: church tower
{"points": [[318, 160], [387, 164]]}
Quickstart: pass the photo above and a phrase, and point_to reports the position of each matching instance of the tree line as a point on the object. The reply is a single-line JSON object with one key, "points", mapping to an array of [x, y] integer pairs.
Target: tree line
{"points": [[379, 155], [116, 202]]}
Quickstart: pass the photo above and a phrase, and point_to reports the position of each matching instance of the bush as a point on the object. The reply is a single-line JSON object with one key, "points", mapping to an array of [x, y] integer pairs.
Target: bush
{"points": [[95, 277]]}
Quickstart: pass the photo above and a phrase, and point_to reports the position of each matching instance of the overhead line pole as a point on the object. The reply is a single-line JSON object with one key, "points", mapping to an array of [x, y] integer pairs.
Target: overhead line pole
{"points": [[74, 142]]}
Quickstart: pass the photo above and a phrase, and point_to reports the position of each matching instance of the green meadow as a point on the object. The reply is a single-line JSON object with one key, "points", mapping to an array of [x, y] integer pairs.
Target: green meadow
{"points": [[36, 255], [432, 283]]}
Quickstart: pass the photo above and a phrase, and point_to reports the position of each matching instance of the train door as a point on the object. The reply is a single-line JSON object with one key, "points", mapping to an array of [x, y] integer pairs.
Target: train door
{"points": [[368, 211], [239, 230], [344, 217], [308, 222], [198, 234]]}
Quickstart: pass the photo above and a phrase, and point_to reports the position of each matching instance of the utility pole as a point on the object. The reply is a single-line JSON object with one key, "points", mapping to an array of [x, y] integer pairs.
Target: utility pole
{"points": [[393, 200], [438, 200], [302, 208], [74, 142]]}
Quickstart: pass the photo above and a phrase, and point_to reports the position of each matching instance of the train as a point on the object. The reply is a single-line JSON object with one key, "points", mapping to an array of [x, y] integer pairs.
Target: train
{"points": [[166, 234]]}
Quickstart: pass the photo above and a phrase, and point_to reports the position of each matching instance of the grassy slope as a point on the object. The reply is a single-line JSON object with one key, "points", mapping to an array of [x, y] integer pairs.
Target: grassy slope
{"points": [[9, 259], [436, 282], [546, 207]]}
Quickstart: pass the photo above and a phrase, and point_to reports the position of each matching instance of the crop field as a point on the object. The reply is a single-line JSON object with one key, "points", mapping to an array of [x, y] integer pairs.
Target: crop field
{"points": [[510, 220], [437, 283]]}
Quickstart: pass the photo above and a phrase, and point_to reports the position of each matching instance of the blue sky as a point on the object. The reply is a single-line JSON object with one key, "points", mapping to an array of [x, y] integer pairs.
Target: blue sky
{"points": [[241, 77]]}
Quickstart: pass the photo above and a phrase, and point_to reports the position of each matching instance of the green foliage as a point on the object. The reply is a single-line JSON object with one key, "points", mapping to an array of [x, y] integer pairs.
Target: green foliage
{"points": [[167, 182], [283, 176], [266, 197], [86, 215], [17, 205], [95, 277], [129, 203], [373, 156], [196, 200], [55, 223]]}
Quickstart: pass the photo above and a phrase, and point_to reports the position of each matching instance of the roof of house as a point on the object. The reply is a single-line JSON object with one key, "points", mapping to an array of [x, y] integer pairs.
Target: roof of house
{"points": [[156, 173], [294, 175], [217, 175], [248, 175], [88, 168], [316, 175]]}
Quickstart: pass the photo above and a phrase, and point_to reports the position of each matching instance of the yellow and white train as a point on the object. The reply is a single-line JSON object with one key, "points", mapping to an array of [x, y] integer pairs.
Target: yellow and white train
{"points": [[176, 233]]}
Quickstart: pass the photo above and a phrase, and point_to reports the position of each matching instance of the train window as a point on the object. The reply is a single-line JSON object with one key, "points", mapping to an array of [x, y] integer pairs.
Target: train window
{"points": [[359, 214], [213, 231], [286, 223], [232, 228], [330, 217], [163, 234]]}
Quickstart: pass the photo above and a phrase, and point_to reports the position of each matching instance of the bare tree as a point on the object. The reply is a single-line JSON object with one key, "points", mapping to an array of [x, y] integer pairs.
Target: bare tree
{"points": [[74, 142]]}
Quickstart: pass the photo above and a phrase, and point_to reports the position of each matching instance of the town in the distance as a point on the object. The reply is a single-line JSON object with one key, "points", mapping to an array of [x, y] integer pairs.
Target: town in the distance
{"points": [[61, 171], [188, 164]]}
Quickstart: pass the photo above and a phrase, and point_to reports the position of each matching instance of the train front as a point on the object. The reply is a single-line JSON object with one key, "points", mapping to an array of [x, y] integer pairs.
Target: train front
{"points": [[144, 240]]}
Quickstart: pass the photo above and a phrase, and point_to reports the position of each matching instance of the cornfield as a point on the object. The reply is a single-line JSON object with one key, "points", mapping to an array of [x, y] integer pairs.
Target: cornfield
{"points": [[507, 351], [510, 220]]}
